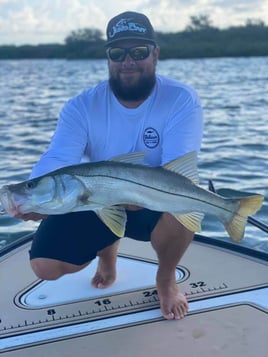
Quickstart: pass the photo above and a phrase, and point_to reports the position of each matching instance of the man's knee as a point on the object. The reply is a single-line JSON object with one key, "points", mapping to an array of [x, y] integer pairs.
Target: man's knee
{"points": [[46, 269], [51, 269]]}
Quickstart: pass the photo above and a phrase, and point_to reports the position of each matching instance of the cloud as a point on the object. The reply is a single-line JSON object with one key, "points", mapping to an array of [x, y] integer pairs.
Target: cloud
{"points": [[48, 21]]}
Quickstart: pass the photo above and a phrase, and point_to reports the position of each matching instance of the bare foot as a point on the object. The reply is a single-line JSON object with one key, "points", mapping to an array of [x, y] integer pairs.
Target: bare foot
{"points": [[105, 275], [106, 270], [174, 305]]}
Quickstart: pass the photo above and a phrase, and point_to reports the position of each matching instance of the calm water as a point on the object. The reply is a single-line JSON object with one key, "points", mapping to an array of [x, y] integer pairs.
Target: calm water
{"points": [[234, 93]]}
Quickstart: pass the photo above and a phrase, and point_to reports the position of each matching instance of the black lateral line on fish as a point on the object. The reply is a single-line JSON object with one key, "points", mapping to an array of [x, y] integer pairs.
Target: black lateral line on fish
{"points": [[156, 189]]}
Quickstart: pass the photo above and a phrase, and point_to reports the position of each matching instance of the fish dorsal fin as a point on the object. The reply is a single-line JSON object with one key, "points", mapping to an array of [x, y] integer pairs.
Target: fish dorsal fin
{"points": [[185, 165], [114, 218], [131, 158], [191, 221]]}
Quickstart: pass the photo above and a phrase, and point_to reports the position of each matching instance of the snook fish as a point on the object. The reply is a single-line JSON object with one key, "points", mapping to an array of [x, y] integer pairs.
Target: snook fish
{"points": [[106, 186]]}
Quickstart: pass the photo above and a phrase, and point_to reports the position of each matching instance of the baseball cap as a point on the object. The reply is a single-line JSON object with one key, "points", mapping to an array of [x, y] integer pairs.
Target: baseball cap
{"points": [[130, 25]]}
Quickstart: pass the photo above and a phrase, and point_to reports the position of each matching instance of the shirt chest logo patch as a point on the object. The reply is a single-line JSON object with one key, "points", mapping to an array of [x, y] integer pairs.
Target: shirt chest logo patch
{"points": [[151, 138]]}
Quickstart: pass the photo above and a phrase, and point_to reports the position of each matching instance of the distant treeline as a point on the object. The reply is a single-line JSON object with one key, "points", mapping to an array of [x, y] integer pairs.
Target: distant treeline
{"points": [[200, 39]]}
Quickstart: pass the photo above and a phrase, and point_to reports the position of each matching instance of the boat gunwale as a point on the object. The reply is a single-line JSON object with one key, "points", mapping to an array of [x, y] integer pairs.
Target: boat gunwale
{"points": [[200, 238]]}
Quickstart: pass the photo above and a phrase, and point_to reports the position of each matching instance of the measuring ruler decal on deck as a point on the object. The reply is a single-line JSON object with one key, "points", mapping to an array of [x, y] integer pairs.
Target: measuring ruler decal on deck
{"points": [[71, 299]]}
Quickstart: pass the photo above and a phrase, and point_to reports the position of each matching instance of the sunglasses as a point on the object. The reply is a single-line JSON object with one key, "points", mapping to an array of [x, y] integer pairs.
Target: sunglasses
{"points": [[137, 53]]}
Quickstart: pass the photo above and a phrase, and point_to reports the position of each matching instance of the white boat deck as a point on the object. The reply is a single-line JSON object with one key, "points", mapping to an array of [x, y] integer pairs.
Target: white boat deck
{"points": [[228, 316]]}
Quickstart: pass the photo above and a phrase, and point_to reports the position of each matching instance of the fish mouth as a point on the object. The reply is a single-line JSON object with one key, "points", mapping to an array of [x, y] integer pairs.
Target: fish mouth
{"points": [[7, 202]]}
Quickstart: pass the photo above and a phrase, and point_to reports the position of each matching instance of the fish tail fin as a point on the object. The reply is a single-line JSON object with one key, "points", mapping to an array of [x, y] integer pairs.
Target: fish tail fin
{"points": [[248, 206]]}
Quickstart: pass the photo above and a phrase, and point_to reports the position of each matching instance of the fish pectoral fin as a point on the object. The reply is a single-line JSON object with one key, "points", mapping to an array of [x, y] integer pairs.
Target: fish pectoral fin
{"points": [[115, 218], [131, 158], [191, 221], [185, 165]]}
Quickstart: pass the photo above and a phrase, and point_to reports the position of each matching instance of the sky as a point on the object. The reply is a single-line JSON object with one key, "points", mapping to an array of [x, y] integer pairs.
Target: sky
{"points": [[51, 21]]}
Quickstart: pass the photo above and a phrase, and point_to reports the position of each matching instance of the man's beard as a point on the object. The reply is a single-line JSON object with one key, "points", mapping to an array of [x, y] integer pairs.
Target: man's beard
{"points": [[136, 92]]}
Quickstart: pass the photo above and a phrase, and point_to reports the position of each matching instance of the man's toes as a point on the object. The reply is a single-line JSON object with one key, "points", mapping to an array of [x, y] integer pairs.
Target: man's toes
{"points": [[175, 313], [97, 281], [181, 311], [101, 282], [179, 314], [168, 315]]}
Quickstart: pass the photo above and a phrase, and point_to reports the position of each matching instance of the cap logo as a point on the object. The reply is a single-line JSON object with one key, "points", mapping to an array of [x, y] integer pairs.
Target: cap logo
{"points": [[125, 25]]}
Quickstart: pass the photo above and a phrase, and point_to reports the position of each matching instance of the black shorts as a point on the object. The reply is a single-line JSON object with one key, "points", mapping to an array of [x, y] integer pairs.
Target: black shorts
{"points": [[77, 237]]}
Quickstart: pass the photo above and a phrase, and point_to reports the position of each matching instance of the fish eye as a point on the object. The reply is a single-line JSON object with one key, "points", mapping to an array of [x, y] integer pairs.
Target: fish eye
{"points": [[30, 184]]}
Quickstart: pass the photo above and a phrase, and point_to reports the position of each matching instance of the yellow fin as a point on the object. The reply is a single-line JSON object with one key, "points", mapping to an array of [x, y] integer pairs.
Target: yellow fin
{"points": [[191, 221], [114, 218], [185, 165], [131, 158], [248, 206]]}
